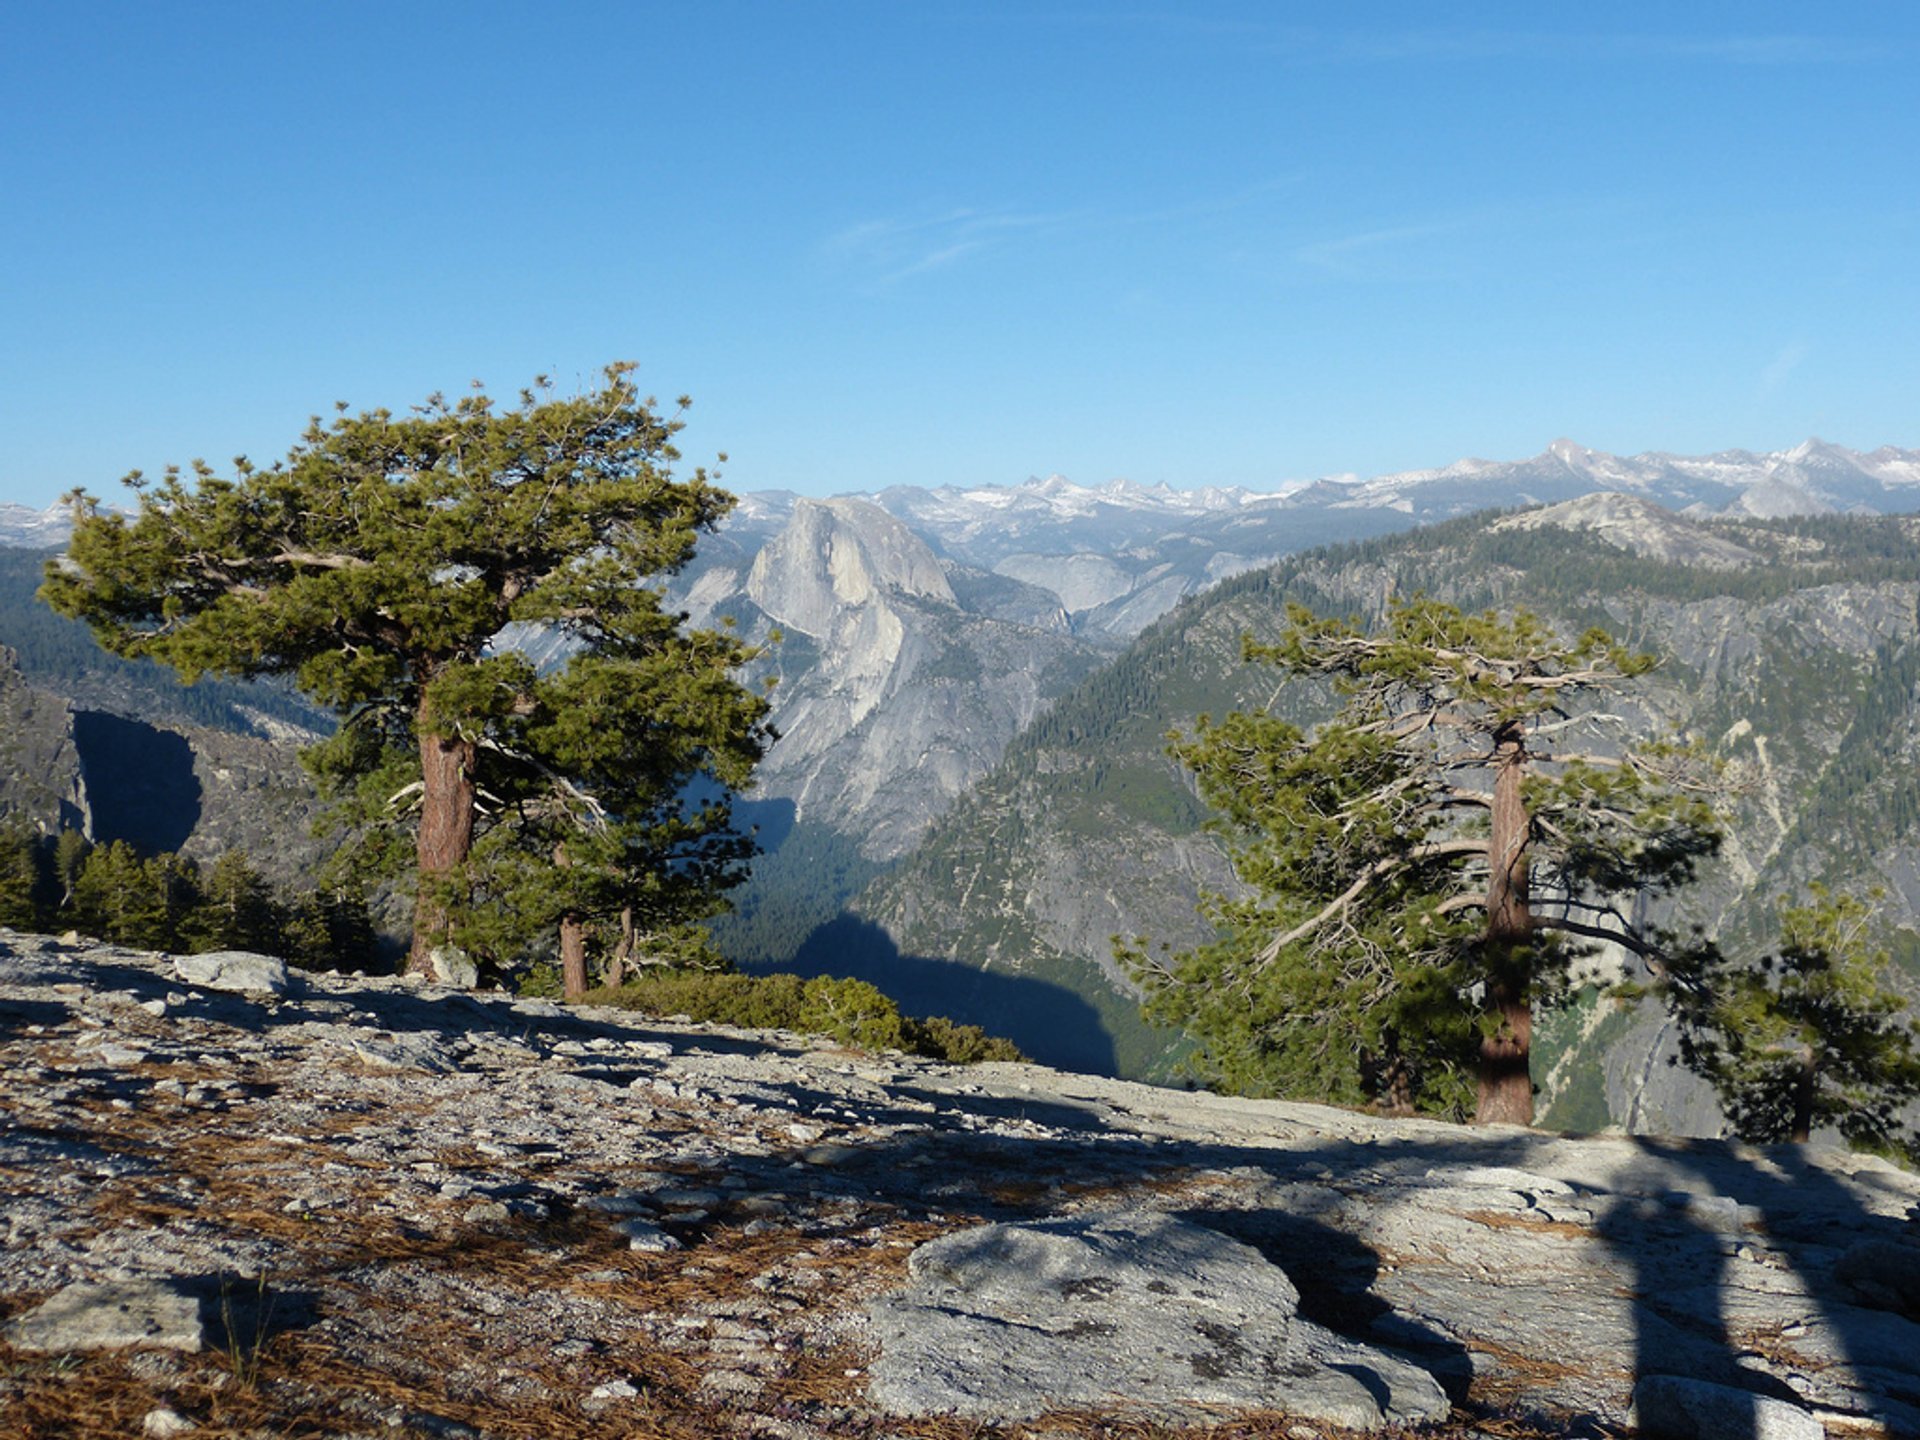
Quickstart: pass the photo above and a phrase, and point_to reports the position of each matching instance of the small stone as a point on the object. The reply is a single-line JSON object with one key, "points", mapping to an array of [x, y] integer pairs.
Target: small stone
{"points": [[687, 1199], [806, 1134], [647, 1236], [453, 966], [624, 1203], [829, 1154], [156, 1008], [164, 1423], [164, 1314], [240, 971], [614, 1390], [487, 1212]]}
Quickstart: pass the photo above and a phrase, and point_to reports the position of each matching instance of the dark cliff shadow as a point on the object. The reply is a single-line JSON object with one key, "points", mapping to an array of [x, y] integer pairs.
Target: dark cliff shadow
{"points": [[140, 782], [1049, 1022], [770, 822]]}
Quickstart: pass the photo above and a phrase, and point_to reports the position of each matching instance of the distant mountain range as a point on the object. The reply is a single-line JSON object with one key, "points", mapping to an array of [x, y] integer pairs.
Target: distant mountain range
{"points": [[925, 627], [1143, 528], [974, 685]]}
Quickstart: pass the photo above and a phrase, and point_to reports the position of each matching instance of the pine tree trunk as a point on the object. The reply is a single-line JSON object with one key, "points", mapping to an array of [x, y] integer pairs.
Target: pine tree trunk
{"points": [[446, 837], [1396, 1090], [1803, 1098], [1506, 1079], [573, 957], [573, 943]]}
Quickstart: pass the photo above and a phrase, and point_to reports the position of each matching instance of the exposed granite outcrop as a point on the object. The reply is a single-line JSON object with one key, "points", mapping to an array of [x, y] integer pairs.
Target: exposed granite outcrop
{"points": [[471, 1214]]}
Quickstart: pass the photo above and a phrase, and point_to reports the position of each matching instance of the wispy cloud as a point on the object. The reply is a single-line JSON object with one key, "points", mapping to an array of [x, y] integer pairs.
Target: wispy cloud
{"points": [[1365, 254], [1482, 45], [1780, 367], [890, 250]]}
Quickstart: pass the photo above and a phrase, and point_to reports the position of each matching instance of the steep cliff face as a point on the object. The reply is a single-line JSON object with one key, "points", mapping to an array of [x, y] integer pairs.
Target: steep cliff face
{"points": [[187, 788], [841, 555], [1793, 648], [900, 679], [39, 764]]}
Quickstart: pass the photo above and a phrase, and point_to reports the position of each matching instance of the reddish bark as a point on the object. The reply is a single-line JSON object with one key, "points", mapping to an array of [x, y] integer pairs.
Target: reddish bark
{"points": [[573, 957], [445, 839], [1506, 1081], [573, 943]]}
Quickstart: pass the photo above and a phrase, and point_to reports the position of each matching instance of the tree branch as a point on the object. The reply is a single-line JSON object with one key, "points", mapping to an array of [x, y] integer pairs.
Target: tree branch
{"points": [[1379, 869]]}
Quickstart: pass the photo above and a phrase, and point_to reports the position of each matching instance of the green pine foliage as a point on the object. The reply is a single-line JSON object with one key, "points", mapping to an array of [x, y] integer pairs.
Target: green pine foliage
{"points": [[1812, 1038], [378, 567], [26, 875], [168, 902], [849, 1011], [1419, 870]]}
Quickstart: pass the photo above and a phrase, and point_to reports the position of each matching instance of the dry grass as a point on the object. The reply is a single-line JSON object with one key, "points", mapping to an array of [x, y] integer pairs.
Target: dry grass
{"points": [[1507, 1220], [379, 1354]]}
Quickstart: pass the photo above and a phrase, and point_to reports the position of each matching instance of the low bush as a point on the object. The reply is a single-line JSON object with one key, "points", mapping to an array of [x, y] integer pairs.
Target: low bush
{"points": [[849, 1011]]}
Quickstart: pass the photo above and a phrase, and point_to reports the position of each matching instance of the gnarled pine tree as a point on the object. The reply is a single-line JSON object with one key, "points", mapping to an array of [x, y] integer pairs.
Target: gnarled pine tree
{"points": [[378, 566], [1422, 868]]}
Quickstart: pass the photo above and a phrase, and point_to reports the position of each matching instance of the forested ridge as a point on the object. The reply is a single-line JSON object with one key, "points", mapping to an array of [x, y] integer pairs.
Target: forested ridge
{"points": [[60, 655], [1799, 659]]}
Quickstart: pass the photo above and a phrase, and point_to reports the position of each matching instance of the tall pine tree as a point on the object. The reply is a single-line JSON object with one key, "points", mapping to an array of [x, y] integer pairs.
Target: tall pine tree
{"points": [[381, 566], [1421, 868]]}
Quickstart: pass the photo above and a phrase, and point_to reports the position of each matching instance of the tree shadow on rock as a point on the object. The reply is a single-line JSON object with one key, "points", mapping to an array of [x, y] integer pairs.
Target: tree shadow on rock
{"points": [[1335, 1274]]}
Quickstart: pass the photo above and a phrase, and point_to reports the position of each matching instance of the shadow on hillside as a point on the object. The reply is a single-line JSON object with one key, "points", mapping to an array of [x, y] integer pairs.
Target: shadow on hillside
{"points": [[770, 822], [1048, 1022], [140, 782]]}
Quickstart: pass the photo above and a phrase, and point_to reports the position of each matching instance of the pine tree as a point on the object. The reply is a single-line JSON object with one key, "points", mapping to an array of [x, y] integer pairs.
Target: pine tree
{"points": [[237, 910], [120, 896], [329, 929], [1813, 1038], [388, 563], [1422, 868], [23, 875], [70, 853]]}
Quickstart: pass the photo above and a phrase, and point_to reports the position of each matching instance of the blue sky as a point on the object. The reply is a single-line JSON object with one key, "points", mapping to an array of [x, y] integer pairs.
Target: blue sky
{"points": [[965, 243]]}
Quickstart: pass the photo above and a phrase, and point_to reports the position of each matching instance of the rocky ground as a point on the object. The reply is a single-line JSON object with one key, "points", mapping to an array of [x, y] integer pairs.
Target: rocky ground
{"points": [[248, 1204]]}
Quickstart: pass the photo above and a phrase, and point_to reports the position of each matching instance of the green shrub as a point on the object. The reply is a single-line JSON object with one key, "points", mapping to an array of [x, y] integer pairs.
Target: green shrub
{"points": [[756, 1002], [939, 1038], [850, 1011]]}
